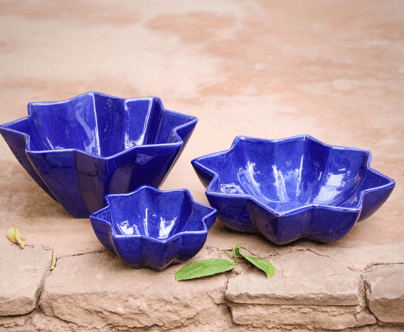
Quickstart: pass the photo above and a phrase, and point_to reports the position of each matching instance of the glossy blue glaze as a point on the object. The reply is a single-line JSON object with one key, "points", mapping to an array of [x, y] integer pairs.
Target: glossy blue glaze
{"points": [[153, 228], [292, 188], [81, 149]]}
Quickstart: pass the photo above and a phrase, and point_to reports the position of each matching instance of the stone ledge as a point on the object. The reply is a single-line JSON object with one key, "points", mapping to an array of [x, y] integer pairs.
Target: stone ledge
{"points": [[385, 293], [23, 271], [308, 289], [312, 317], [37, 321], [82, 295]]}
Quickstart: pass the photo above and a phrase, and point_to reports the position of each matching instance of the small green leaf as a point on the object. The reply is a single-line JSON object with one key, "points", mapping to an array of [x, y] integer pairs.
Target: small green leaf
{"points": [[204, 268], [262, 264]]}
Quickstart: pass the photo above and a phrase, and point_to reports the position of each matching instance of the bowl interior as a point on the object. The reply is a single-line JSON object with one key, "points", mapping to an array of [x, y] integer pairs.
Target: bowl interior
{"points": [[97, 124], [289, 174], [156, 214]]}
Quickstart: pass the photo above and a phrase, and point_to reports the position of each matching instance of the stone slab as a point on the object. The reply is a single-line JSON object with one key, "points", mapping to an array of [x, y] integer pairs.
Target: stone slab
{"points": [[99, 291], [301, 278], [38, 322], [385, 293], [22, 274]]}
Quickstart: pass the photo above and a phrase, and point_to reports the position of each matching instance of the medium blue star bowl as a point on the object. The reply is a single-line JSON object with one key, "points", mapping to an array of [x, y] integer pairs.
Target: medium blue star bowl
{"points": [[153, 228], [83, 148], [292, 188]]}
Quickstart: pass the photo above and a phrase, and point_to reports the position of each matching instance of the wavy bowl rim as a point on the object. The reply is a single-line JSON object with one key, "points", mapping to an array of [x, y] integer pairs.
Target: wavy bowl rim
{"points": [[149, 238], [209, 192], [193, 121]]}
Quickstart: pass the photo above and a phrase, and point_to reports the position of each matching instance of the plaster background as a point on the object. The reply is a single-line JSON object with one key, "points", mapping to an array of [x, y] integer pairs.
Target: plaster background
{"points": [[270, 69]]}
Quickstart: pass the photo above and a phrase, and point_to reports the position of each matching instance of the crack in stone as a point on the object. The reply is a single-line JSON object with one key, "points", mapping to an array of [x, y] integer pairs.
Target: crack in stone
{"points": [[324, 255], [283, 253], [38, 245], [84, 253], [38, 293], [362, 292], [226, 301], [363, 303], [368, 267], [47, 274]]}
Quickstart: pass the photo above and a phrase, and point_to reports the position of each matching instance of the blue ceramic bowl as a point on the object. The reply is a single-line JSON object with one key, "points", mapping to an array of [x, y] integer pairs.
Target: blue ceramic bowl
{"points": [[153, 228], [292, 188], [81, 149]]}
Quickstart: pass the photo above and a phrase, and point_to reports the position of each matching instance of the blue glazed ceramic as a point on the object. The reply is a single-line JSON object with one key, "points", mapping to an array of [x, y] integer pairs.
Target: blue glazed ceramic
{"points": [[292, 188], [153, 228], [81, 149]]}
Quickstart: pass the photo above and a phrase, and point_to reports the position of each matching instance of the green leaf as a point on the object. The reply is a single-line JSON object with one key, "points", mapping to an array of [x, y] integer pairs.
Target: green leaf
{"points": [[204, 268], [262, 264]]}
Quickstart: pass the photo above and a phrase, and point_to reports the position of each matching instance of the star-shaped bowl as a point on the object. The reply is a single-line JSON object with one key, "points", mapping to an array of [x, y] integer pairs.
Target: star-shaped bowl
{"points": [[292, 188], [153, 228], [83, 148]]}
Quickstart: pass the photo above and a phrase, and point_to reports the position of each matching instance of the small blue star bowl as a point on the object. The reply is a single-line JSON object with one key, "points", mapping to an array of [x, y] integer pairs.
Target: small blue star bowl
{"points": [[291, 188], [153, 228], [83, 148]]}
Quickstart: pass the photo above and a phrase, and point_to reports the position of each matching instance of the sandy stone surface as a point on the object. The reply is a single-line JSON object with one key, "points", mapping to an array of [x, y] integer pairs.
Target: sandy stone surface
{"points": [[261, 68], [239, 67], [98, 290], [301, 278], [385, 293], [22, 274]]}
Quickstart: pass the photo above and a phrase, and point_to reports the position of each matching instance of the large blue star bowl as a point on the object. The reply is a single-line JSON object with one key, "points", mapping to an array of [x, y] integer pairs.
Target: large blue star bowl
{"points": [[83, 148], [292, 188], [153, 228]]}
